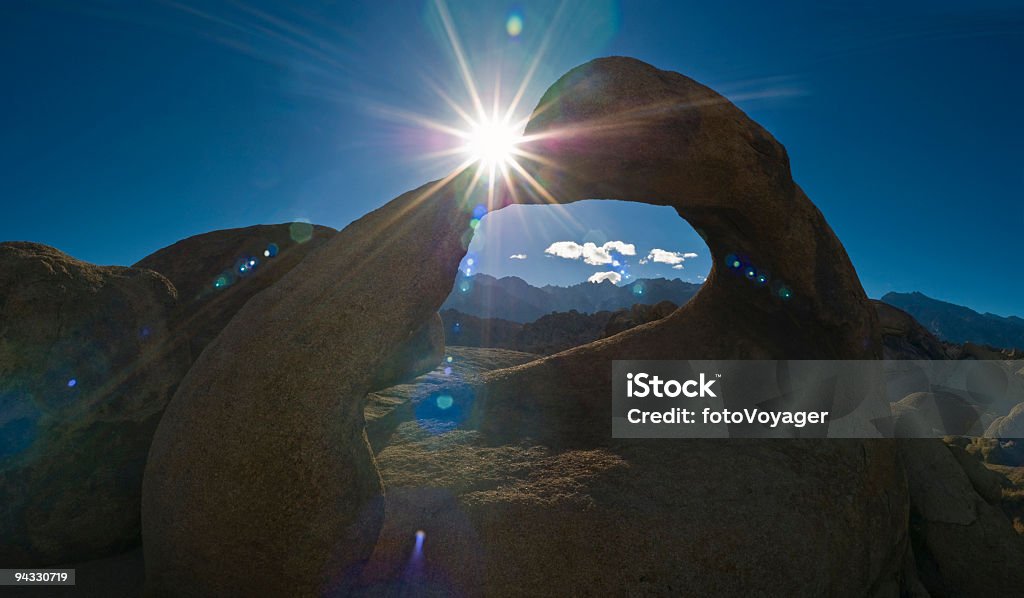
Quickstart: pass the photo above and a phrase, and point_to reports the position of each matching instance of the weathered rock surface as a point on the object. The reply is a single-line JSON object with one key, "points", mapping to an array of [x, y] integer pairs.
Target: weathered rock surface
{"points": [[619, 129], [418, 354], [903, 337], [935, 414], [963, 545], [423, 399], [260, 479], [87, 364], [1010, 425], [215, 273], [525, 518]]}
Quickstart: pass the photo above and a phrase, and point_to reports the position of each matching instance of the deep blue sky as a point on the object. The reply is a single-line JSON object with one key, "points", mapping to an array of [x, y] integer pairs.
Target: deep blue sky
{"points": [[128, 125]]}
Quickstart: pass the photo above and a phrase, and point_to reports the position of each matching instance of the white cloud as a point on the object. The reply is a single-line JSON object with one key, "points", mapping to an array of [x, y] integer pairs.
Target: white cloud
{"points": [[517, 256], [592, 254], [663, 256], [614, 277], [677, 267], [620, 247]]}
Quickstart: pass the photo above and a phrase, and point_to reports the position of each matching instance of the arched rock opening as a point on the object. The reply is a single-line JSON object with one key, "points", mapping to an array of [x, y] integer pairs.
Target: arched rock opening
{"points": [[260, 480]]}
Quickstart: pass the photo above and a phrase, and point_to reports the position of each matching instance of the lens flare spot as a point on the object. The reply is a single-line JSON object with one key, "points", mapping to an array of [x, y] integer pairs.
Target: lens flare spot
{"points": [[444, 401], [447, 371], [449, 360], [72, 383], [514, 24], [300, 232], [271, 250], [221, 282]]}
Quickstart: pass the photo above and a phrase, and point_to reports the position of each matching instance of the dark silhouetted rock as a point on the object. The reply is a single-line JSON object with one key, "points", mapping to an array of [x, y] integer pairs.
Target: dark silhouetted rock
{"points": [[419, 354], [987, 483], [216, 273], [963, 545], [524, 518], [260, 479], [903, 337], [87, 364]]}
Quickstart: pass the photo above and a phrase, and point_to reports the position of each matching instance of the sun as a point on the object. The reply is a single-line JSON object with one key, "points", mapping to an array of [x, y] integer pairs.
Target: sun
{"points": [[492, 142]]}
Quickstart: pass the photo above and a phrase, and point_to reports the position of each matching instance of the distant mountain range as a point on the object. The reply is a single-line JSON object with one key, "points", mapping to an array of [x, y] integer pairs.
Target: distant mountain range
{"points": [[959, 324], [514, 299]]}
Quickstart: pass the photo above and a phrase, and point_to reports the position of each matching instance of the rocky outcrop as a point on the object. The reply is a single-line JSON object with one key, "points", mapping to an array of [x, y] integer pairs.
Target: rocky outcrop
{"points": [[87, 364], [525, 518], [963, 545], [1010, 425], [262, 482], [260, 479], [935, 414], [1008, 451], [418, 354], [903, 337], [216, 273]]}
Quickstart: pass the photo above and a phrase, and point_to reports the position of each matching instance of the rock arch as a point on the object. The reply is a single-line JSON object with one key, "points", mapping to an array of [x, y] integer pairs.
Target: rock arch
{"points": [[260, 480]]}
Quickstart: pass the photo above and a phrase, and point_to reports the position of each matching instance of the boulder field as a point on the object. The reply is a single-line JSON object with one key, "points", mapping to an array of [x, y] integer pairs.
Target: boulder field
{"points": [[88, 360], [90, 356]]}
